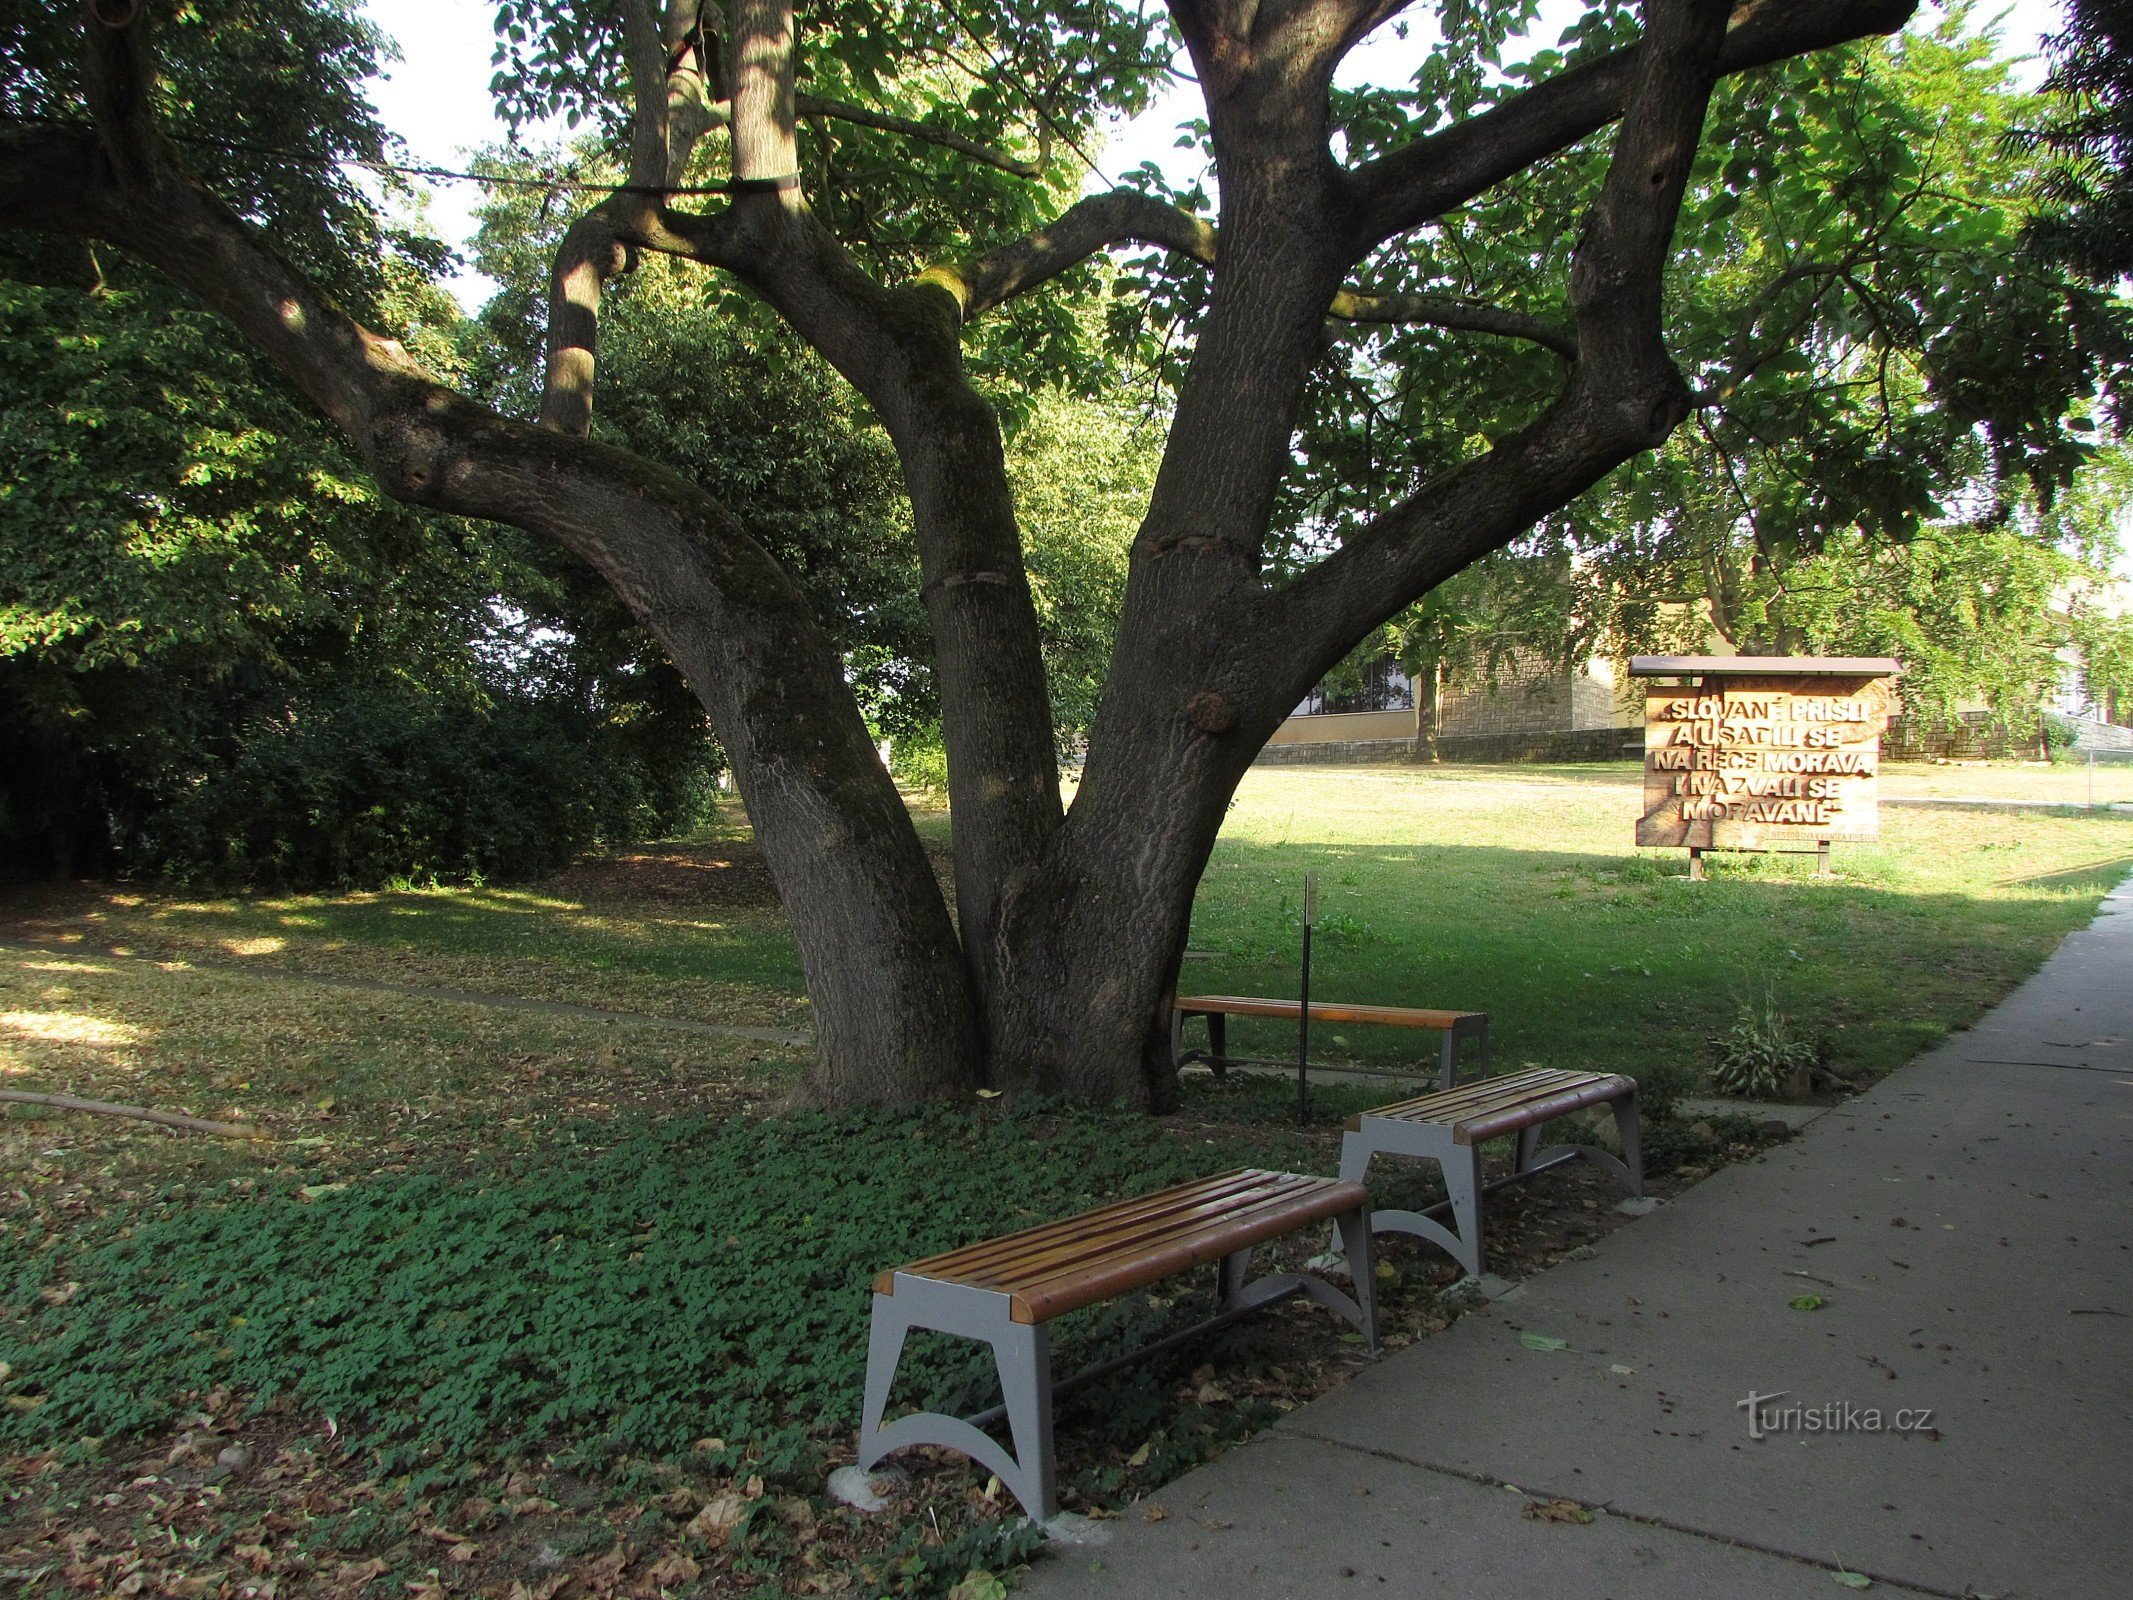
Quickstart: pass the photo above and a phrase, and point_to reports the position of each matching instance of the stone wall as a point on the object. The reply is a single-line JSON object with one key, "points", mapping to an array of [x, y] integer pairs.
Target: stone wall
{"points": [[1529, 705]]}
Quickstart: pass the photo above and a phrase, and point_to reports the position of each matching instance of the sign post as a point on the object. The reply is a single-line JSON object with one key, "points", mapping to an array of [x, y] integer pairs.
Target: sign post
{"points": [[1303, 1005], [1762, 752]]}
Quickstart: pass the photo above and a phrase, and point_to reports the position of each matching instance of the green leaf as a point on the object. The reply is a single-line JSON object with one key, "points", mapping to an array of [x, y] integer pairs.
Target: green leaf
{"points": [[1542, 1341]]}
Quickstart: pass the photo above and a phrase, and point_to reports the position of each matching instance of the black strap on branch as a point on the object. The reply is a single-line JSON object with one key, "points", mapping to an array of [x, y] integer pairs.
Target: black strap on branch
{"points": [[777, 185]]}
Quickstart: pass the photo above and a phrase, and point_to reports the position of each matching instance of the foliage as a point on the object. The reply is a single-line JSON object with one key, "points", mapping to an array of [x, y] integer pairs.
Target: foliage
{"points": [[622, 1297], [2090, 219], [204, 592], [1895, 394], [266, 99], [1763, 1055], [370, 782], [200, 584]]}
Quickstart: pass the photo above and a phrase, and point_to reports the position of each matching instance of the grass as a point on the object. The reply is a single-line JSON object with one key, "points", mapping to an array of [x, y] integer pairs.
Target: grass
{"points": [[1519, 893], [551, 1284], [689, 933]]}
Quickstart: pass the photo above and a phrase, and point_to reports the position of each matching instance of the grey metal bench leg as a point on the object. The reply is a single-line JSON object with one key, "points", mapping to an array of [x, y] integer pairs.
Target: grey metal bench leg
{"points": [[1528, 1142], [1462, 1186], [1475, 1028], [1023, 1355], [1625, 1110], [1459, 1164], [1218, 1043], [1352, 1236]]}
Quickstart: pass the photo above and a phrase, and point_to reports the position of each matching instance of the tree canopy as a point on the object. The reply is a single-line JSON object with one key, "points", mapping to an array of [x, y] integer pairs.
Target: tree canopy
{"points": [[1900, 396], [223, 652]]}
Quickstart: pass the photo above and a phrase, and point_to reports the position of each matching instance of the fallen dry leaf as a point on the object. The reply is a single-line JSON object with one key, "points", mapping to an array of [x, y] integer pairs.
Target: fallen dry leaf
{"points": [[352, 1575], [716, 1522], [1555, 1511], [670, 1571], [602, 1575], [1156, 1512]]}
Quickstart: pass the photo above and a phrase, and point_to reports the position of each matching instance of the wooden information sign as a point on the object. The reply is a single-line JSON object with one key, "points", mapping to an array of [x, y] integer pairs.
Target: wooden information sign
{"points": [[1762, 752]]}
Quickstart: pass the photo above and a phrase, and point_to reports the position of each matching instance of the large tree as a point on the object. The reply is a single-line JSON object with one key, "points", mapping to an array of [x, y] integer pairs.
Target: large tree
{"points": [[1068, 924]]}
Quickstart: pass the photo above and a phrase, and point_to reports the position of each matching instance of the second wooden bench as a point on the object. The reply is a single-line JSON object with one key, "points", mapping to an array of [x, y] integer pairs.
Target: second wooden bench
{"points": [[1455, 1026], [1450, 1126]]}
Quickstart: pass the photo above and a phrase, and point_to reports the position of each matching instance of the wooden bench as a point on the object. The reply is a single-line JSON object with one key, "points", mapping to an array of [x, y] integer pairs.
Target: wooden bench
{"points": [[1219, 1008], [1449, 1127], [1005, 1290]]}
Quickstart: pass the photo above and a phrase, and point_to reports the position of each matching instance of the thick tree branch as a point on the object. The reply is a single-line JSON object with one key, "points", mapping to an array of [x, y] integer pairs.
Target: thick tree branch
{"points": [[765, 148], [1473, 316], [1091, 226], [901, 348], [1126, 216], [1425, 179], [663, 72], [1623, 394]]}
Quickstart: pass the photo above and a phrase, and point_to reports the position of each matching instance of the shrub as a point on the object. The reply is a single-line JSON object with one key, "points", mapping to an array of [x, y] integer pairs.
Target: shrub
{"points": [[1764, 1056], [369, 783]]}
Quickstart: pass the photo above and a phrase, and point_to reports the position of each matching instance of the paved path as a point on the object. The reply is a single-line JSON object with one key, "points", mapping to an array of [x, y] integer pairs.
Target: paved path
{"points": [[417, 991], [1970, 1225]]}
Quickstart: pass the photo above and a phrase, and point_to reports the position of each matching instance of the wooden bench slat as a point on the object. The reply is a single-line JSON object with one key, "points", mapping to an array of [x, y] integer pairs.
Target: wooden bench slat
{"points": [[1540, 1108], [952, 1264], [1287, 1200], [1325, 1011], [1489, 1094], [1122, 1272], [1136, 1242], [1091, 1230], [1016, 1269], [1498, 1106], [1437, 1101]]}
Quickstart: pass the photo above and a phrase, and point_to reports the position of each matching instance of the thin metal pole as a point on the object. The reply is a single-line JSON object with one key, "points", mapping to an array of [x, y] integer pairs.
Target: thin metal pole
{"points": [[1303, 1005]]}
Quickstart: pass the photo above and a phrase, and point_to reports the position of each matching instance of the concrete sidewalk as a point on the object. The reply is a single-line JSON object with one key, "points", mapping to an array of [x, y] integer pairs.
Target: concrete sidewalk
{"points": [[1969, 1224]]}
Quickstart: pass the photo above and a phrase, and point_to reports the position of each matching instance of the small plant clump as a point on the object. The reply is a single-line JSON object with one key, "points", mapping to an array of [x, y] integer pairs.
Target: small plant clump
{"points": [[1765, 1056]]}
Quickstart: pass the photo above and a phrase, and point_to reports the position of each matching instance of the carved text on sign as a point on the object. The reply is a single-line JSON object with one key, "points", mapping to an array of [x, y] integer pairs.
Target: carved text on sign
{"points": [[1755, 762]]}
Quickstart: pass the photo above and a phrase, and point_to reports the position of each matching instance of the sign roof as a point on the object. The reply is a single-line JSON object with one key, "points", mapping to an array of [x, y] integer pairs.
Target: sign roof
{"points": [[1765, 666]]}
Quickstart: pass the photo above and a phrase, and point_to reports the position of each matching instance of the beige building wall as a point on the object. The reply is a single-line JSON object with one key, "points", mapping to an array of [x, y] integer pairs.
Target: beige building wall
{"points": [[1346, 725]]}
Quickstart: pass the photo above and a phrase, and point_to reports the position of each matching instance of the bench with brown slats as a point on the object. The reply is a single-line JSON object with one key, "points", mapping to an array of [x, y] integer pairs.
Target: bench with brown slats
{"points": [[1219, 1008], [1004, 1291], [1449, 1126]]}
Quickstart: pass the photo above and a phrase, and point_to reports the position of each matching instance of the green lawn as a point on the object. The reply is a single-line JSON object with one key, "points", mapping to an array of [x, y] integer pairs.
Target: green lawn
{"points": [[1518, 892], [1510, 890]]}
